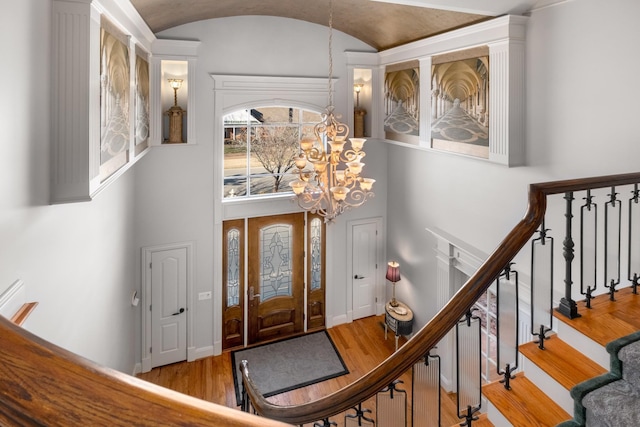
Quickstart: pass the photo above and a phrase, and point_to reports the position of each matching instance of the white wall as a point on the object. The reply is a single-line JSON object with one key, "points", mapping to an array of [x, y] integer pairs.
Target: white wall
{"points": [[582, 109], [81, 261], [76, 260], [175, 183]]}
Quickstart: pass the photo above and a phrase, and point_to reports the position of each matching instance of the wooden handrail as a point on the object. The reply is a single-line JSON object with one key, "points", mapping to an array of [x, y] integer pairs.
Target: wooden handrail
{"points": [[427, 337], [42, 384]]}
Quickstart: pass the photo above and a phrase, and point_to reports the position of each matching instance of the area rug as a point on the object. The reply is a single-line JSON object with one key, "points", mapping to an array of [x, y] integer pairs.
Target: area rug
{"points": [[289, 364]]}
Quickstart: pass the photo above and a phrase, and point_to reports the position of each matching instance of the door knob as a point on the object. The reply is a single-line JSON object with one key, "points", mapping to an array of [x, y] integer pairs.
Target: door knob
{"points": [[178, 312], [358, 277]]}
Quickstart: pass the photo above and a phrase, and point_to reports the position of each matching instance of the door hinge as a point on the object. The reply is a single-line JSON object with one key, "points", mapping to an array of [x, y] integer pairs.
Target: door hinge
{"points": [[376, 299], [149, 307], [150, 350], [150, 264]]}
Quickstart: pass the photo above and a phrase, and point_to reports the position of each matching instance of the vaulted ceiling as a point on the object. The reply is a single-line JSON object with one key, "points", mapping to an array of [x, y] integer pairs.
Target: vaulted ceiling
{"points": [[382, 24]]}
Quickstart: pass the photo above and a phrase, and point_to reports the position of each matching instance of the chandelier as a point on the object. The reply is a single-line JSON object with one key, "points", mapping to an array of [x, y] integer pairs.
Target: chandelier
{"points": [[329, 181]]}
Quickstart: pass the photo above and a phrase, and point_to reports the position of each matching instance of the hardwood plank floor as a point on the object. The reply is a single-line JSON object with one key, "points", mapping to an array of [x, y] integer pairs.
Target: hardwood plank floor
{"points": [[361, 345]]}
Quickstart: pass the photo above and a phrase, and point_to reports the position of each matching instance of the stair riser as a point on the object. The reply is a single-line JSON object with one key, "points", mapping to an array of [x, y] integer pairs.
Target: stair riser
{"points": [[551, 387], [584, 344]]}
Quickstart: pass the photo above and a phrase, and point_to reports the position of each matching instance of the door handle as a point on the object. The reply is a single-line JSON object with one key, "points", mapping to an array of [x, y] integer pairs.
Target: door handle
{"points": [[251, 294], [358, 277], [178, 312]]}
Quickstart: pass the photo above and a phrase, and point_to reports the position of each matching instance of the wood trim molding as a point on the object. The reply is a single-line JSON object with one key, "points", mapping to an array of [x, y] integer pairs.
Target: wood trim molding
{"points": [[23, 313]]}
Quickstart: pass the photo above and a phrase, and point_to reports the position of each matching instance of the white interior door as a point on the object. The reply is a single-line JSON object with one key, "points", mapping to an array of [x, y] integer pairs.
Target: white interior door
{"points": [[364, 268], [168, 306]]}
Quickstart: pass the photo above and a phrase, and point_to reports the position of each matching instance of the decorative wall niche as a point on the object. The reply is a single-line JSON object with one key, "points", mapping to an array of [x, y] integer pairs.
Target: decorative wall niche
{"points": [[495, 50], [173, 71], [174, 92], [100, 97]]}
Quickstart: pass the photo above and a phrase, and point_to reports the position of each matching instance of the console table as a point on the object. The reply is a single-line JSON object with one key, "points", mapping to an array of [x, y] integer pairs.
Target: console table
{"points": [[399, 319]]}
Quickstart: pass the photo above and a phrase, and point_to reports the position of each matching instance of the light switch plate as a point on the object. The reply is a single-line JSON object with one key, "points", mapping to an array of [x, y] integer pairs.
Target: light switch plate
{"points": [[204, 295]]}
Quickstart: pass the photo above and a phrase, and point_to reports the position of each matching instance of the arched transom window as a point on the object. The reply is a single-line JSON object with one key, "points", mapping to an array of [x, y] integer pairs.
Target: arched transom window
{"points": [[260, 146]]}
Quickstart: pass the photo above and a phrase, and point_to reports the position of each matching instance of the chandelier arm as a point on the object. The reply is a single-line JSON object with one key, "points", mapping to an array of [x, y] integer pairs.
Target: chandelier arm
{"points": [[334, 185]]}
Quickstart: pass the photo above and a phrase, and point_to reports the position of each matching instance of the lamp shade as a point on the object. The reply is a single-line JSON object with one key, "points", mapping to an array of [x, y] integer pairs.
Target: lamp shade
{"points": [[393, 271]]}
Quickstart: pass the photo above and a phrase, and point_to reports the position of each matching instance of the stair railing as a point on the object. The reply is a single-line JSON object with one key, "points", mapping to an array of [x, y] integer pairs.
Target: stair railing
{"points": [[43, 384], [427, 337]]}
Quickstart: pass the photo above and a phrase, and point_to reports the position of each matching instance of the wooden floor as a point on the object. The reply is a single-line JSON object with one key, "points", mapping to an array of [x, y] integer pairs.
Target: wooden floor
{"points": [[361, 345]]}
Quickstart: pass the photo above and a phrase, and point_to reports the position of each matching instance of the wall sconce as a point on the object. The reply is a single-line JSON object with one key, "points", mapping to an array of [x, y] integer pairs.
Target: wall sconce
{"points": [[359, 113], [175, 114], [358, 87], [393, 275], [175, 85]]}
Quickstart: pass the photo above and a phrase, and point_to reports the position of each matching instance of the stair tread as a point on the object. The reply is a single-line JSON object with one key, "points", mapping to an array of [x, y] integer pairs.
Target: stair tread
{"points": [[562, 362], [607, 320], [525, 405]]}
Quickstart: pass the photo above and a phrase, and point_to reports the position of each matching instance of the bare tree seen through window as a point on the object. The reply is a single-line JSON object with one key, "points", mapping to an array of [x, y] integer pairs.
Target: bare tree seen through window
{"points": [[276, 148]]}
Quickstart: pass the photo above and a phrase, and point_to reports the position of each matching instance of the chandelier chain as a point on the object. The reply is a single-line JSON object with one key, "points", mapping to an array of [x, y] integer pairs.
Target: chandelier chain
{"points": [[330, 52]]}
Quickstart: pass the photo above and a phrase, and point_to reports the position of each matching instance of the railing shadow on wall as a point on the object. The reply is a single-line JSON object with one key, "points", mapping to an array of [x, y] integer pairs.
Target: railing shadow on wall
{"points": [[42, 384]]}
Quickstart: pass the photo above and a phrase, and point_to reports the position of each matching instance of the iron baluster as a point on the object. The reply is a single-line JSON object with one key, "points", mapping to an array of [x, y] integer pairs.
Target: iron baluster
{"points": [[360, 415], [426, 385], [587, 208], [470, 416], [633, 201], [543, 240], [470, 409], [391, 404], [612, 204], [507, 372], [392, 387], [325, 423], [507, 376], [568, 306]]}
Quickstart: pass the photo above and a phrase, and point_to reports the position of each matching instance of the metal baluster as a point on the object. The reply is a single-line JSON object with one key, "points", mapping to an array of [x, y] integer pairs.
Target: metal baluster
{"points": [[612, 243], [325, 423], [589, 211], [468, 367], [426, 384], [391, 406], [568, 306], [634, 242], [541, 284], [507, 299], [359, 419]]}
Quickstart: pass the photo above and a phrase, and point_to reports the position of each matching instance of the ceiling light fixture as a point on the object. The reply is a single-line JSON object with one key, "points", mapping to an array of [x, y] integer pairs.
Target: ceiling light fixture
{"points": [[334, 185]]}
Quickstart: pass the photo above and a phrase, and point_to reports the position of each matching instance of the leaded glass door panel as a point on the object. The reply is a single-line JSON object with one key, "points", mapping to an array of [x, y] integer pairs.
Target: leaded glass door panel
{"points": [[316, 243], [276, 277], [233, 284]]}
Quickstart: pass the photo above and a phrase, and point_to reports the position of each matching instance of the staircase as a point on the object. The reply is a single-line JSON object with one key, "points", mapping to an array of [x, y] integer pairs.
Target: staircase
{"points": [[594, 358]]}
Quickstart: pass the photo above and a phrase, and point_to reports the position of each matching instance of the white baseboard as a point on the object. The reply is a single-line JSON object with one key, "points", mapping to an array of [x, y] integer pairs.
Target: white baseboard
{"points": [[199, 353], [137, 369], [339, 320], [146, 364]]}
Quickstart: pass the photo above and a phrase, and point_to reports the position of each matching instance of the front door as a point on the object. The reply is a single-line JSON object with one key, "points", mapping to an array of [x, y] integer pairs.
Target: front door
{"points": [[168, 306], [275, 277]]}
